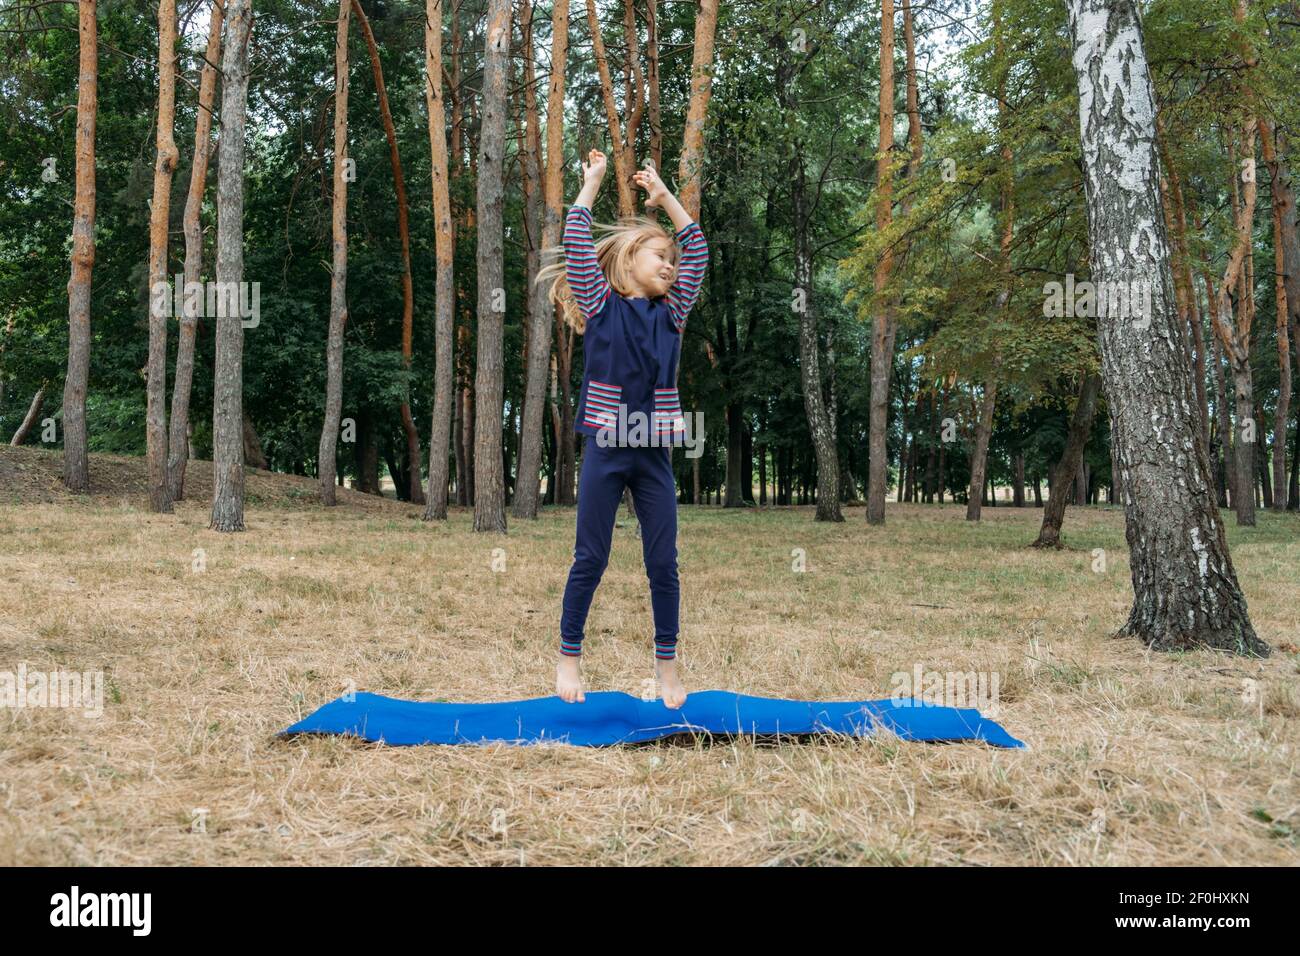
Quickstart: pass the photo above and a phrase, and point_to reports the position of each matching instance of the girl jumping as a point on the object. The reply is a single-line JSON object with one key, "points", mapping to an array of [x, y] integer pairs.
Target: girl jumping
{"points": [[628, 295]]}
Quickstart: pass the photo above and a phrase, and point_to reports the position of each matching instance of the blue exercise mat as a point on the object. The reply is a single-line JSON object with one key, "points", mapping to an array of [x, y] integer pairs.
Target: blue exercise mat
{"points": [[611, 717]]}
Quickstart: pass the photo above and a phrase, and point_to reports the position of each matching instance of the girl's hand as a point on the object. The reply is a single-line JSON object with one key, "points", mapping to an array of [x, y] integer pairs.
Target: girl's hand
{"points": [[593, 171], [649, 180]]}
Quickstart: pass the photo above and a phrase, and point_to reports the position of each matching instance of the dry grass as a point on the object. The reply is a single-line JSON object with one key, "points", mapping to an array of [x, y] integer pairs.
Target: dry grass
{"points": [[1137, 758]]}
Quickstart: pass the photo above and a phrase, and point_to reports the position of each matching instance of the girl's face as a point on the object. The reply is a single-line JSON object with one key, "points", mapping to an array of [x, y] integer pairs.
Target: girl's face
{"points": [[652, 267]]}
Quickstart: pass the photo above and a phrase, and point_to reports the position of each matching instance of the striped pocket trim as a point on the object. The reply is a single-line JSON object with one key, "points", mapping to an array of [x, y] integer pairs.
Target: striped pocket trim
{"points": [[602, 404], [668, 410]]}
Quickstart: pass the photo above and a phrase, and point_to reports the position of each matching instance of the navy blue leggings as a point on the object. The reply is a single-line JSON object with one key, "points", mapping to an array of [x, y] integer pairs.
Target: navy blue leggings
{"points": [[648, 471]]}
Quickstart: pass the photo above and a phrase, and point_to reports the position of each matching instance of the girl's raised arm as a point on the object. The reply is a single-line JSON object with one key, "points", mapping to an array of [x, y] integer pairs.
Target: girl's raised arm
{"points": [[695, 251], [690, 273], [586, 279]]}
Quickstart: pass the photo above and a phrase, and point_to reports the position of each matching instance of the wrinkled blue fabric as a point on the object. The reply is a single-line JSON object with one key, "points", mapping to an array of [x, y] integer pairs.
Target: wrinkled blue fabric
{"points": [[611, 717]]}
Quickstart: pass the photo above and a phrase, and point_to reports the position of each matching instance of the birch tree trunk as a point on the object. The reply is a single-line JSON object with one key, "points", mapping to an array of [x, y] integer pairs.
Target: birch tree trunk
{"points": [[159, 219], [76, 470], [228, 378], [489, 477], [443, 386], [1185, 588], [327, 459], [178, 438]]}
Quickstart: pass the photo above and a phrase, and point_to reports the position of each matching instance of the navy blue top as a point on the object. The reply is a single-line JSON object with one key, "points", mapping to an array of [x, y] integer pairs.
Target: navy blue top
{"points": [[630, 348]]}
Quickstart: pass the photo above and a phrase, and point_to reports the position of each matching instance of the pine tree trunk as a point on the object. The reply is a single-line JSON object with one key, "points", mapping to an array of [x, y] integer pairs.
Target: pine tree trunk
{"points": [[652, 81], [489, 477], [395, 469], [1085, 409], [1291, 245], [1293, 489], [735, 455], [1281, 199], [458, 442], [904, 388], [883, 327], [828, 469], [180, 427], [1236, 338], [329, 436], [159, 219], [1185, 291], [366, 454], [543, 211], [444, 389], [253, 456], [941, 483], [690, 173], [228, 378], [33, 413], [624, 160], [1261, 464], [412, 491], [562, 397], [984, 430], [633, 103], [979, 456], [931, 471], [690, 168], [696, 479], [1185, 588], [467, 422], [76, 469], [914, 134]]}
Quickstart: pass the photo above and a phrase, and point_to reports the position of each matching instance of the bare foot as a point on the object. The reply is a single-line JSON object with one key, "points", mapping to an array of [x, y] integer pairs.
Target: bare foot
{"points": [[674, 694], [568, 679]]}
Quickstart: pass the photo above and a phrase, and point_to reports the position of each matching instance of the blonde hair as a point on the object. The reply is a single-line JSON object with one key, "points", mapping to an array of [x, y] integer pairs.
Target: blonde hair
{"points": [[615, 250]]}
